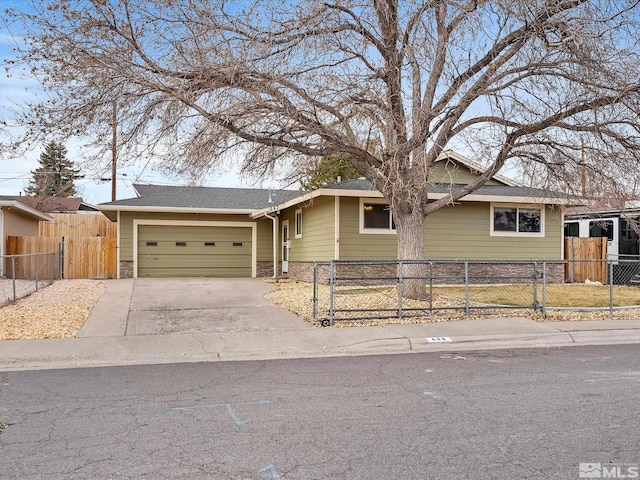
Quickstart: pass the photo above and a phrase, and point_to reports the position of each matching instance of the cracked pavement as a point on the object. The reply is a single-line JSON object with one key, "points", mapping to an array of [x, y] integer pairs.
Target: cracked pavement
{"points": [[499, 414]]}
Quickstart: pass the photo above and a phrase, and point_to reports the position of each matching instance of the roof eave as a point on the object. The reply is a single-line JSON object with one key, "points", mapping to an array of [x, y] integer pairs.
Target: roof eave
{"points": [[611, 212], [512, 199], [328, 192], [26, 209], [473, 197], [142, 208]]}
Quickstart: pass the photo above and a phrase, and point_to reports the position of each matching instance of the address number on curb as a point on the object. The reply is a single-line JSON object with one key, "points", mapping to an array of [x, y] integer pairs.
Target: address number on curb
{"points": [[438, 339]]}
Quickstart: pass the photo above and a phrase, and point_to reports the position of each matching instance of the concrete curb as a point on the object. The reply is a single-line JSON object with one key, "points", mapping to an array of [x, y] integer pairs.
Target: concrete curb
{"points": [[109, 335], [194, 347]]}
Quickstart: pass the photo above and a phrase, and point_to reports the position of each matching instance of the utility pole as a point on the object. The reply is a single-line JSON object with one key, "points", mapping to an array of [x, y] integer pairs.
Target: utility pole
{"points": [[114, 147]]}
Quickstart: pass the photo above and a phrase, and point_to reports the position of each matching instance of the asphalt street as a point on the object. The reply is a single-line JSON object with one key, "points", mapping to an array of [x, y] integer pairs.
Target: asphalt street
{"points": [[500, 414]]}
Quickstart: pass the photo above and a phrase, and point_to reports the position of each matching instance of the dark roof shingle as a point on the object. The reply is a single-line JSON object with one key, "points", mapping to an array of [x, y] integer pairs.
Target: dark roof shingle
{"points": [[205, 197], [52, 204]]}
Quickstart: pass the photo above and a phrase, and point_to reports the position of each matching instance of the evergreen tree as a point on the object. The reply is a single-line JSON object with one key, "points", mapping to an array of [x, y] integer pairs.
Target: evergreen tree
{"points": [[56, 175], [325, 171]]}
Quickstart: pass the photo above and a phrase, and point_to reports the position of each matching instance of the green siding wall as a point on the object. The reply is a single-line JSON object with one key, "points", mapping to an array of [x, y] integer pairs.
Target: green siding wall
{"points": [[318, 227], [264, 247], [265, 243], [356, 246], [462, 231], [452, 172]]}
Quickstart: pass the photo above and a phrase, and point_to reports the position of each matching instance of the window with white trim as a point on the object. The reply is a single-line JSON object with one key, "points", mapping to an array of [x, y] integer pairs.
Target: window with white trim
{"points": [[376, 217], [509, 220], [298, 223]]}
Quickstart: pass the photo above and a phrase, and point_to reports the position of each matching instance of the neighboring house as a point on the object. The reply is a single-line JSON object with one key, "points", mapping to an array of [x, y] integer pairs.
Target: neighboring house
{"points": [[619, 225], [56, 204], [204, 231], [18, 219]]}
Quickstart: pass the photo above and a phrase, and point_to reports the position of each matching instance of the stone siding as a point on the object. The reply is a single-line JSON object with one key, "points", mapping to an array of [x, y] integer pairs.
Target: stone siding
{"points": [[264, 269], [443, 273], [126, 269]]}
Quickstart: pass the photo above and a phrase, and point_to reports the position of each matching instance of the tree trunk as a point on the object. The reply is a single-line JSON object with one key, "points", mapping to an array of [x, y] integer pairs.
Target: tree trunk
{"points": [[410, 231]]}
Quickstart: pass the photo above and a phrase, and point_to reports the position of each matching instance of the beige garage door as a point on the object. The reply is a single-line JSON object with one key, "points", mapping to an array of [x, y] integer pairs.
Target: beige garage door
{"points": [[179, 251]]}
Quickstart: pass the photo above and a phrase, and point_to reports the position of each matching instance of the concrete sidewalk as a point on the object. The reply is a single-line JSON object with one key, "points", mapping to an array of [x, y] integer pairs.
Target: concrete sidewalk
{"points": [[104, 340]]}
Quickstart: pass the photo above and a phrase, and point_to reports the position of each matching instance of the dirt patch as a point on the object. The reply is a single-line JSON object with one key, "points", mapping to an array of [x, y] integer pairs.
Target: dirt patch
{"points": [[57, 311]]}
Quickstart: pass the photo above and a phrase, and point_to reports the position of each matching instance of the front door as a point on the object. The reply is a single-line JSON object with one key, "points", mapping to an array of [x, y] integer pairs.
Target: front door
{"points": [[285, 246]]}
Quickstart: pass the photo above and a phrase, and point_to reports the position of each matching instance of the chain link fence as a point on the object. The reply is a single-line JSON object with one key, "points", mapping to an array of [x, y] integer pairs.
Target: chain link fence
{"points": [[24, 274], [362, 290]]}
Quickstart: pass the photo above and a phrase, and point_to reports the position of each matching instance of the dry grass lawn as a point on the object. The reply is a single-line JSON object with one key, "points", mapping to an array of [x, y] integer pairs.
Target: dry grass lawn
{"points": [[565, 295], [297, 297]]}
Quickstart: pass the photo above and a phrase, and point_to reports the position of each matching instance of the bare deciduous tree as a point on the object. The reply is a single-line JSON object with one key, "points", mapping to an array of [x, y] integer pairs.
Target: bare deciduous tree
{"points": [[515, 81]]}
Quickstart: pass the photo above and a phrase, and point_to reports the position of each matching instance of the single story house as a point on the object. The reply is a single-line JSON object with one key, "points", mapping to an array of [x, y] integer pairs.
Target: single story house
{"points": [[17, 219], [204, 231]]}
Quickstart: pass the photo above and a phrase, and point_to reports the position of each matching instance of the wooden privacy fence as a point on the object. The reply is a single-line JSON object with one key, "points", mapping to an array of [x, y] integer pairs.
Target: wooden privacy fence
{"points": [[82, 257], [587, 259], [28, 265], [77, 225], [89, 257]]}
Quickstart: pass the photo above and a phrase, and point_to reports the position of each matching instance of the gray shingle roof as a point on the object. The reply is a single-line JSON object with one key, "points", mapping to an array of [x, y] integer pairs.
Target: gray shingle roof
{"points": [[357, 184], [485, 190], [205, 197], [258, 198], [53, 204]]}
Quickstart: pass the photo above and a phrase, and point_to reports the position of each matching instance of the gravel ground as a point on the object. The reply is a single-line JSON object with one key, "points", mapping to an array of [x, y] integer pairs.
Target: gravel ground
{"points": [[56, 311], [23, 288], [297, 297], [59, 310]]}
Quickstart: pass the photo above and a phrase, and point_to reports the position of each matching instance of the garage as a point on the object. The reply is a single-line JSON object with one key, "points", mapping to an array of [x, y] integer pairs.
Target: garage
{"points": [[195, 250]]}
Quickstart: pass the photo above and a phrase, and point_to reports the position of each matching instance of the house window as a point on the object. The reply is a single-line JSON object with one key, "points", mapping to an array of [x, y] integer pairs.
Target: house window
{"points": [[517, 221], [601, 228], [628, 229], [571, 229], [376, 217], [237, 244], [181, 244], [299, 223], [209, 244], [152, 244]]}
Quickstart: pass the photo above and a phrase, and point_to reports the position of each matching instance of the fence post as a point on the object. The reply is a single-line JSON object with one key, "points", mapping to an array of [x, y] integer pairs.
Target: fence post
{"points": [[37, 268], [13, 274], [315, 291], [535, 286], [332, 272], [400, 281], [610, 262], [466, 288], [430, 288], [544, 288], [61, 257], [53, 265]]}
